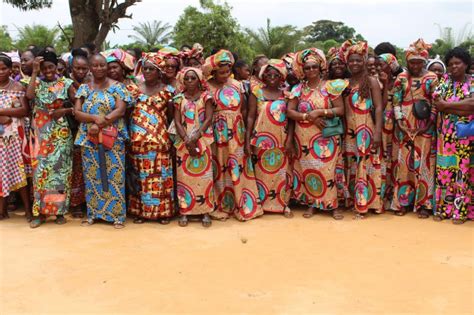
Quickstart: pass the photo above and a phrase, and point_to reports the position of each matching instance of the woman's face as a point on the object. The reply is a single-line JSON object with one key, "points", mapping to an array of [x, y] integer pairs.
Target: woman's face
{"points": [[338, 68], [356, 63], [98, 67], [61, 69], [437, 68], [16, 67], [457, 67], [48, 69], [171, 68], [311, 70], [243, 73], [150, 72], [191, 81], [115, 71], [193, 62], [5, 72], [80, 68], [223, 73], [272, 77], [382, 66], [415, 66], [260, 63], [27, 59], [371, 66]]}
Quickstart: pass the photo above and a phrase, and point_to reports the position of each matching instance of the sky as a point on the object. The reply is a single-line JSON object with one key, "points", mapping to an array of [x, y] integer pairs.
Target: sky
{"points": [[398, 21]]}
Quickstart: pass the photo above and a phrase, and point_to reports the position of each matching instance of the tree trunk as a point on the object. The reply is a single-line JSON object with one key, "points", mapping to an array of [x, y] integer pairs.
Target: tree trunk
{"points": [[85, 21]]}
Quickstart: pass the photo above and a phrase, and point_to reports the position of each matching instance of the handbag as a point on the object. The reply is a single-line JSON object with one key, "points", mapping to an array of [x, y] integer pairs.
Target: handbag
{"points": [[333, 127], [109, 135], [421, 108], [464, 130]]}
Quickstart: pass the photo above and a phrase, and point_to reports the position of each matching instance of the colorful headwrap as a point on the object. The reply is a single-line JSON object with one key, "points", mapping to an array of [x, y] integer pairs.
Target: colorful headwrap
{"points": [[335, 53], [181, 74], [14, 56], [430, 62], [418, 50], [350, 47], [277, 64], [303, 56], [169, 52], [196, 52], [215, 61], [288, 59], [154, 58], [391, 60], [126, 60]]}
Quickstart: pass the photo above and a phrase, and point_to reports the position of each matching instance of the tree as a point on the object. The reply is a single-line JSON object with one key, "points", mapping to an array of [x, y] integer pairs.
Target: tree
{"points": [[323, 30], [213, 27], [275, 41], [38, 35], [151, 34], [5, 39], [92, 20], [64, 42], [448, 40]]}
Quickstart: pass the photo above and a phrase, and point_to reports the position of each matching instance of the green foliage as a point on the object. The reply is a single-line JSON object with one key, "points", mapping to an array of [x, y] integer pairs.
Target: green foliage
{"points": [[275, 41], [38, 35], [151, 34], [448, 40], [214, 27], [6, 43], [323, 30], [30, 4], [64, 41]]}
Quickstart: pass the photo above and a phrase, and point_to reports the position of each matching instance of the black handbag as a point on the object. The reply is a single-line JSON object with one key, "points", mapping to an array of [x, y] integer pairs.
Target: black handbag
{"points": [[421, 110]]}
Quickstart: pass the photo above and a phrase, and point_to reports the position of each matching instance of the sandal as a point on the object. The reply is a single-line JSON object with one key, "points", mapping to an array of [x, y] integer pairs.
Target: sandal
{"points": [[287, 213], [35, 223], [359, 216], [88, 222], [60, 219], [206, 221], [438, 218], [183, 221], [337, 214], [458, 221], [400, 213], [165, 221], [29, 217], [423, 214], [118, 225], [138, 221], [309, 213], [77, 214]]}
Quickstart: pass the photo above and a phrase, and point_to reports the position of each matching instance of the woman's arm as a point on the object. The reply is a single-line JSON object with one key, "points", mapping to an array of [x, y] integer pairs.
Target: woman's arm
{"points": [[465, 107], [209, 116], [179, 125], [377, 102], [117, 113], [30, 91], [252, 112], [80, 115], [18, 112]]}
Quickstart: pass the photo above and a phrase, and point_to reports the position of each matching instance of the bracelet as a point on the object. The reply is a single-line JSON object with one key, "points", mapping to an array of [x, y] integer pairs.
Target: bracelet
{"points": [[305, 116], [325, 112]]}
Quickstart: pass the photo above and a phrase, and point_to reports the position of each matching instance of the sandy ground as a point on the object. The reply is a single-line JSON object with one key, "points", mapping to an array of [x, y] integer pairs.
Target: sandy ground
{"points": [[273, 265]]}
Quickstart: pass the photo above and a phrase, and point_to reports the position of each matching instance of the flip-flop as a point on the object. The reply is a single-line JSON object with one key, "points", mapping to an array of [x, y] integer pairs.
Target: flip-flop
{"points": [[183, 221], [309, 213], [60, 220], [206, 221], [337, 214], [118, 225], [287, 213], [35, 223]]}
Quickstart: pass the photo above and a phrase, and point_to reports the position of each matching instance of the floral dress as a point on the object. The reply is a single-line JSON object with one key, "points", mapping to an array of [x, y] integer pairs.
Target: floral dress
{"points": [[317, 170], [455, 156], [106, 205], [414, 156], [12, 168], [51, 150], [234, 175], [363, 173], [195, 187], [150, 155], [271, 163]]}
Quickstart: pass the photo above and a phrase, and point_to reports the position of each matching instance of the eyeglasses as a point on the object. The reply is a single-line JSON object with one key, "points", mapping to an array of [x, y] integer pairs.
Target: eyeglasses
{"points": [[313, 67]]}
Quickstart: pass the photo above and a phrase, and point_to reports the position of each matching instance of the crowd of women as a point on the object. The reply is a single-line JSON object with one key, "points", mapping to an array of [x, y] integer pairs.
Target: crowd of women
{"points": [[170, 132]]}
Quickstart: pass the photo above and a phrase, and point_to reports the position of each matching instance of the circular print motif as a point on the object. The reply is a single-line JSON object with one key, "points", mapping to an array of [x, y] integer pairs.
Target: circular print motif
{"points": [[221, 131], [271, 161], [196, 166], [276, 112], [363, 138], [229, 97], [248, 203], [239, 130], [234, 169], [186, 198], [262, 190], [323, 148], [406, 194], [226, 200], [315, 183]]}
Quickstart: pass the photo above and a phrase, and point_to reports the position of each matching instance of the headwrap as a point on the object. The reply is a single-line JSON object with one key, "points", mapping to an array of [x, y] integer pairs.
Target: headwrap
{"points": [[391, 60], [169, 52], [288, 59], [430, 63], [49, 56], [303, 56], [335, 53], [213, 62], [126, 60], [196, 52], [14, 56], [350, 47], [418, 50], [278, 65], [181, 74], [154, 58]]}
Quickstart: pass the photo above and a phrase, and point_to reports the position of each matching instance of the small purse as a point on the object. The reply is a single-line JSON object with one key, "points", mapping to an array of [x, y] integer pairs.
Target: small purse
{"points": [[464, 130], [109, 135], [421, 110], [333, 127]]}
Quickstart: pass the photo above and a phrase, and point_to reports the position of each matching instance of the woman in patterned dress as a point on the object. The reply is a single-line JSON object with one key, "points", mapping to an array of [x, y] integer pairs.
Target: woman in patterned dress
{"points": [[311, 102], [150, 147], [363, 133], [234, 177], [454, 99], [52, 140], [100, 107], [193, 139], [13, 106], [414, 157]]}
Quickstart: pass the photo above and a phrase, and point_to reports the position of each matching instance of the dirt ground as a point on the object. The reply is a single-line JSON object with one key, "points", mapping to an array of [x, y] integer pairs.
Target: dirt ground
{"points": [[272, 265]]}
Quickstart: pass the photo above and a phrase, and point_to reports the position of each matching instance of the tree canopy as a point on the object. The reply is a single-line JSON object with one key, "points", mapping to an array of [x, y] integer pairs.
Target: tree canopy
{"points": [[323, 30]]}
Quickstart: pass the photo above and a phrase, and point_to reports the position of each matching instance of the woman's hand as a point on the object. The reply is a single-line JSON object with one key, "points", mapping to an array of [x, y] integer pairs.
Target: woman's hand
{"points": [[320, 123], [440, 104], [312, 115], [289, 148], [376, 141], [100, 121], [58, 113], [37, 65], [93, 129], [247, 148]]}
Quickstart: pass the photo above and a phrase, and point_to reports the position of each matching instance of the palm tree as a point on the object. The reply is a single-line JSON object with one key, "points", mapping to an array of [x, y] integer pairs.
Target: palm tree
{"points": [[447, 36], [38, 35], [151, 34], [275, 41]]}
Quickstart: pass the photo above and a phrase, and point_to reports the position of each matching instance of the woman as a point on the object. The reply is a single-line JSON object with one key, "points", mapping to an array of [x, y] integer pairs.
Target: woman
{"points": [[337, 67], [258, 62], [172, 65], [120, 65], [311, 103], [413, 137], [437, 66], [234, 178], [363, 133], [13, 106], [150, 147], [193, 118], [194, 57], [79, 75], [52, 145], [267, 138], [388, 68], [454, 170], [372, 66], [100, 107]]}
